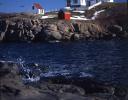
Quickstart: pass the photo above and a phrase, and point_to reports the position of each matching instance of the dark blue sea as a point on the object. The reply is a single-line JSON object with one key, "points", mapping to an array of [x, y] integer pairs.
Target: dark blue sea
{"points": [[103, 60]]}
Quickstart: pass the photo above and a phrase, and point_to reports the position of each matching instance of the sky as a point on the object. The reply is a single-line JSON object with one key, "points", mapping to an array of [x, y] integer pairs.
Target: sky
{"points": [[26, 5]]}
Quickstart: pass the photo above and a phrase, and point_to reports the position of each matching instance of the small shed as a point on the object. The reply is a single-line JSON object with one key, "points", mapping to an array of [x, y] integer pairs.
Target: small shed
{"points": [[38, 9], [64, 14]]}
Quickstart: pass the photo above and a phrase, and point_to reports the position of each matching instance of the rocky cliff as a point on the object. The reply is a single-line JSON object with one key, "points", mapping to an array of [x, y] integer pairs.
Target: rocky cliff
{"points": [[28, 27]]}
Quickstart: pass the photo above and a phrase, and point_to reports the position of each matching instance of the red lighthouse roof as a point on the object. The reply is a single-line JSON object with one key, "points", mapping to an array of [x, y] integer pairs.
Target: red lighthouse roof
{"points": [[38, 6]]}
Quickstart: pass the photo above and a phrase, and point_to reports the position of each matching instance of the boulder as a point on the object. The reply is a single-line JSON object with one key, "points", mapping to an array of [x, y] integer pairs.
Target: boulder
{"points": [[4, 27], [63, 27], [51, 32], [121, 92], [2, 35], [55, 35], [51, 27], [87, 34], [28, 23], [8, 68], [68, 35], [36, 29], [75, 37], [115, 29]]}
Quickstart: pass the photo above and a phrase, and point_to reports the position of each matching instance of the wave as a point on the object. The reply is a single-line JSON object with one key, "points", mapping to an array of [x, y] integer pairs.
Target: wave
{"points": [[33, 72]]}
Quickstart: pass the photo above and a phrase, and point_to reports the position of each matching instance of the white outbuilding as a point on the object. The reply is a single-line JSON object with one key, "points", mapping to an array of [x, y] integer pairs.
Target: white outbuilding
{"points": [[38, 9]]}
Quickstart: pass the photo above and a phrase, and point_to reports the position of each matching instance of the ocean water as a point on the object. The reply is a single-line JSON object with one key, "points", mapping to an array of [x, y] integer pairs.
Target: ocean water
{"points": [[103, 60]]}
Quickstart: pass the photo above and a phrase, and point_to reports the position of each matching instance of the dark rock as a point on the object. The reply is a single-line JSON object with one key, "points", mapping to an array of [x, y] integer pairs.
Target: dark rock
{"points": [[56, 35], [36, 29], [115, 29], [68, 36], [66, 89], [3, 29], [10, 91], [51, 27], [54, 88], [76, 27], [88, 84], [5, 69], [87, 34], [70, 96], [11, 34], [28, 23], [2, 35], [3, 24], [75, 37], [121, 92]]}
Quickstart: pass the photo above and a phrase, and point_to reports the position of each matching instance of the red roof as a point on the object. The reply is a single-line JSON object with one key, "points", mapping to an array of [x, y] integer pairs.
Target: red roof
{"points": [[38, 6]]}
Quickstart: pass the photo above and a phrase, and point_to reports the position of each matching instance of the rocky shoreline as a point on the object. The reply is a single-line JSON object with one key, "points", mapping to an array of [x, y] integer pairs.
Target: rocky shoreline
{"points": [[29, 27], [25, 29], [55, 88]]}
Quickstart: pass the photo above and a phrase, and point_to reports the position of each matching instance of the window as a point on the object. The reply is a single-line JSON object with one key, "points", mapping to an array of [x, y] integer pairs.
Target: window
{"points": [[75, 1]]}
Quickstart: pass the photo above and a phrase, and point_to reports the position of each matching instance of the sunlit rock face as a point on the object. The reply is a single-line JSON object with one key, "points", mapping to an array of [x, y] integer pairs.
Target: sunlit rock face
{"points": [[38, 30]]}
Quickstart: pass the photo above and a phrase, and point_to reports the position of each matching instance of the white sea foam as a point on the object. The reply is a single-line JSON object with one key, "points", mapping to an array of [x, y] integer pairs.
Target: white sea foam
{"points": [[33, 79], [54, 41], [55, 73], [83, 74]]}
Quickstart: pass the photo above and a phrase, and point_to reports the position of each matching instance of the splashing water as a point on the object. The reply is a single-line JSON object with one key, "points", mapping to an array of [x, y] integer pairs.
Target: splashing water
{"points": [[32, 72], [27, 74], [104, 60]]}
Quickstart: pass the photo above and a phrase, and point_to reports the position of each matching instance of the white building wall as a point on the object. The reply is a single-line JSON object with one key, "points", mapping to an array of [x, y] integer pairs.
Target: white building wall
{"points": [[82, 2], [107, 0], [41, 11], [87, 2], [93, 2], [72, 2], [111, 0]]}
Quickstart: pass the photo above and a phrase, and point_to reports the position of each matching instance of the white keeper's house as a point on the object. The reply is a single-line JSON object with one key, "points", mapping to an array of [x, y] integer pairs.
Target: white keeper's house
{"points": [[84, 3]]}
